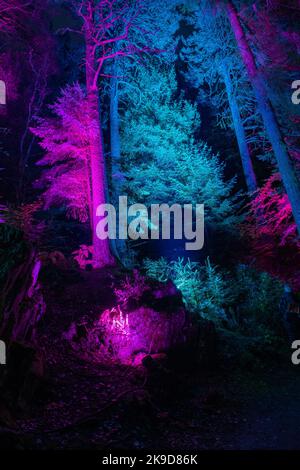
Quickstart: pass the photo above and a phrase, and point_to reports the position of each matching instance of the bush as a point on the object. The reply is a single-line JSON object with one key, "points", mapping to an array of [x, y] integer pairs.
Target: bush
{"points": [[258, 295], [204, 289], [244, 300]]}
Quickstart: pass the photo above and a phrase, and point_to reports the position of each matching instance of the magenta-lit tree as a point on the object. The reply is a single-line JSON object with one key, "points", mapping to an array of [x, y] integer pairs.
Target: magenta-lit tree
{"points": [[271, 232], [258, 82], [65, 138], [105, 28]]}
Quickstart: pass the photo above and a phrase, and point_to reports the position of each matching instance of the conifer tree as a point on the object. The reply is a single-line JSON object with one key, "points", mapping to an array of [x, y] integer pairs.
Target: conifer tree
{"points": [[162, 161]]}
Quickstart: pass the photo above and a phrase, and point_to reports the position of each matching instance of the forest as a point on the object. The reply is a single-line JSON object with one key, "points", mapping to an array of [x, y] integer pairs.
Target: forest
{"points": [[149, 225]]}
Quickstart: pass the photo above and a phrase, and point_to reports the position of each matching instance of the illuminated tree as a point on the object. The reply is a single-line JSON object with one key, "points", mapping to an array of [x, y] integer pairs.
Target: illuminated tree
{"points": [[212, 59], [65, 138], [271, 232], [153, 35], [105, 27], [258, 82], [162, 161]]}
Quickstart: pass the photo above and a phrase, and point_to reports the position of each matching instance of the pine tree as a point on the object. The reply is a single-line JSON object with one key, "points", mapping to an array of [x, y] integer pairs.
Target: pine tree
{"points": [[162, 161]]}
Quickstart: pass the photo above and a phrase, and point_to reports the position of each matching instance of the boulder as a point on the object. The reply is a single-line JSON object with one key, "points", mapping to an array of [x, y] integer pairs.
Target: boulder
{"points": [[155, 323]]}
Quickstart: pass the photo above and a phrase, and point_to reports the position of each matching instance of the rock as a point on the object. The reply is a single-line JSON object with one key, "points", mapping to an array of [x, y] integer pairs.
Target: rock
{"points": [[146, 359], [23, 302], [155, 323]]}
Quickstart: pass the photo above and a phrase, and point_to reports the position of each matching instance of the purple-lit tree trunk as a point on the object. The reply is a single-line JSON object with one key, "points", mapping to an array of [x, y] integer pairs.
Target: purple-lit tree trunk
{"points": [[239, 132], [101, 251], [101, 20], [285, 165]]}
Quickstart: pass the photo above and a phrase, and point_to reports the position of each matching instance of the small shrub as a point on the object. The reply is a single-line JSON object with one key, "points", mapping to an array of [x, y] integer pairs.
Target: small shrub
{"points": [[132, 287], [245, 300], [204, 288]]}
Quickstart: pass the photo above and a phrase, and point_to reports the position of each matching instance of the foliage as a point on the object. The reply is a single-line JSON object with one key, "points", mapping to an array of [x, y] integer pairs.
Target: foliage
{"points": [[243, 300], [258, 295], [64, 137], [83, 256], [162, 161], [204, 288], [270, 231], [133, 287], [23, 218], [210, 51]]}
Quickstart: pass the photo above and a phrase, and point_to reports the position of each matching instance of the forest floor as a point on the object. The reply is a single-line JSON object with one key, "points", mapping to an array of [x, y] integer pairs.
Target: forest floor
{"points": [[84, 404]]}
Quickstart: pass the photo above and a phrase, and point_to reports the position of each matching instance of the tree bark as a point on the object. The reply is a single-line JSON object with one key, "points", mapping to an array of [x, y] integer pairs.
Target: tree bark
{"points": [[285, 165], [115, 136], [240, 133], [101, 251], [115, 142]]}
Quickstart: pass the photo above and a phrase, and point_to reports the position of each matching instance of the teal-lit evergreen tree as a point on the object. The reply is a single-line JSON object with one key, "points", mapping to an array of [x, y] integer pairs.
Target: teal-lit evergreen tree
{"points": [[163, 162]]}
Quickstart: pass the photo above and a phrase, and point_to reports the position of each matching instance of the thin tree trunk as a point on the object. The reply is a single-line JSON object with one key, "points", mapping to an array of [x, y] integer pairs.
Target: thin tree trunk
{"points": [[115, 135], [101, 255], [285, 165], [240, 133]]}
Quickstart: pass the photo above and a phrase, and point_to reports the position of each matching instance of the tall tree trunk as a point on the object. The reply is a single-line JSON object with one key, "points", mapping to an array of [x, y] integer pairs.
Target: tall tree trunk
{"points": [[240, 133], [101, 255], [117, 175], [285, 165], [115, 136]]}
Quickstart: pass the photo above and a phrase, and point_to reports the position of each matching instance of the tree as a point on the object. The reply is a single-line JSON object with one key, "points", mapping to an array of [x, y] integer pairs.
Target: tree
{"points": [[285, 165], [271, 32], [270, 232], [161, 160], [39, 61], [212, 58], [26, 66], [65, 138], [154, 35], [105, 29]]}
